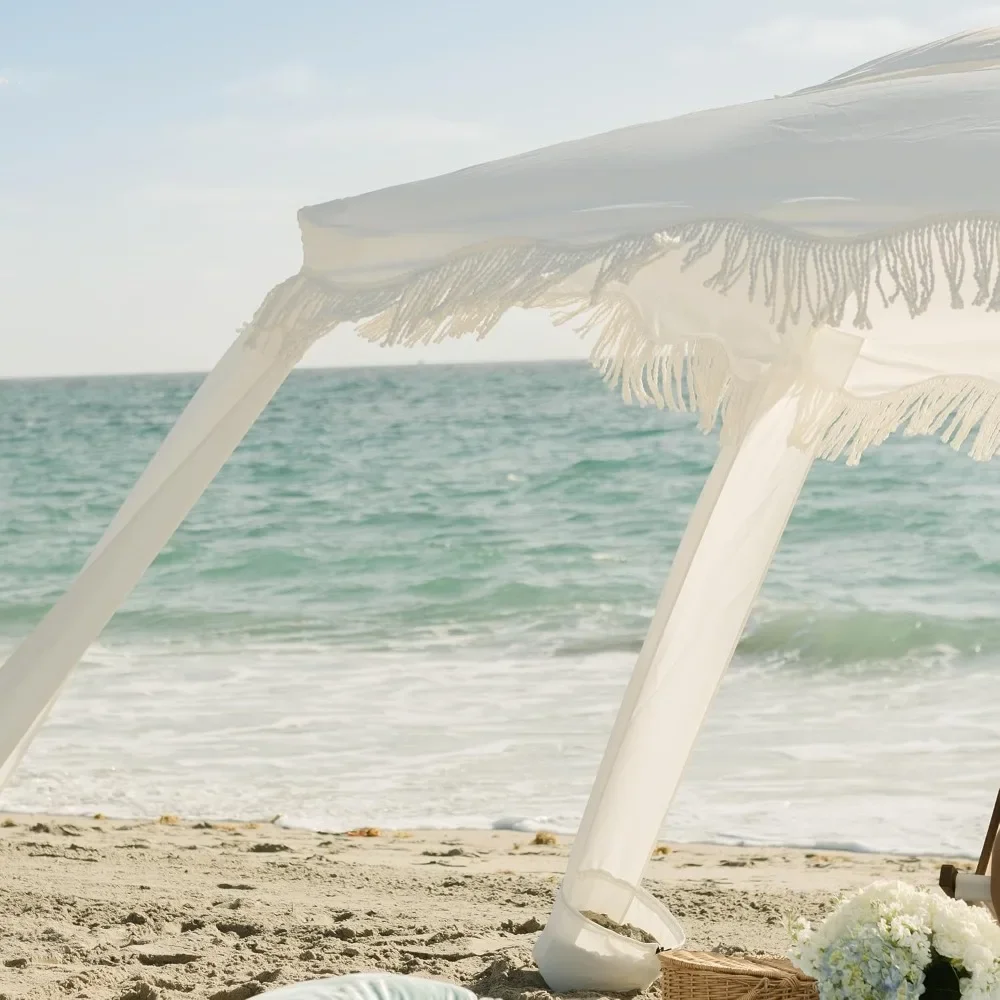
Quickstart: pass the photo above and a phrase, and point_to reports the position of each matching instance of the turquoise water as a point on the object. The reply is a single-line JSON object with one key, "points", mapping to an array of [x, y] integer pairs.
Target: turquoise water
{"points": [[414, 596]]}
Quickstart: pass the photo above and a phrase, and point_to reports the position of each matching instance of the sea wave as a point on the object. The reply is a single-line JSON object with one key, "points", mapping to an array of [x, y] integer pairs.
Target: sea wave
{"points": [[866, 636], [414, 597]]}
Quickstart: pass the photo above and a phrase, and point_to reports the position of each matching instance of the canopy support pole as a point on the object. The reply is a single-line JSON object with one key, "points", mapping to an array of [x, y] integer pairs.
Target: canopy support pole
{"points": [[718, 570], [206, 434]]}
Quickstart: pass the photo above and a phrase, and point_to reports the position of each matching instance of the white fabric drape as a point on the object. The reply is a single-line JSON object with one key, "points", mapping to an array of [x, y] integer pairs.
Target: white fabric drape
{"points": [[213, 424], [717, 573]]}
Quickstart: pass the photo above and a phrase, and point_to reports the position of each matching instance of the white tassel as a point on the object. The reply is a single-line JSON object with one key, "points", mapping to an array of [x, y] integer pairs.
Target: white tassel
{"points": [[954, 408], [797, 277], [690, 378]]}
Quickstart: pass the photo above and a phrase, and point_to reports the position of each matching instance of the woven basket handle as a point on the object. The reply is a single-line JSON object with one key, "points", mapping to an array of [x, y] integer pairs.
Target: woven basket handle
{"points": [[790, 987], [758, 990], [789, 982]]}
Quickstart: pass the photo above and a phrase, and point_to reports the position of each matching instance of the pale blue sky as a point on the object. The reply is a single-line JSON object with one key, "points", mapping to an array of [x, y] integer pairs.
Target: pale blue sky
{"points": [[153, 155]]}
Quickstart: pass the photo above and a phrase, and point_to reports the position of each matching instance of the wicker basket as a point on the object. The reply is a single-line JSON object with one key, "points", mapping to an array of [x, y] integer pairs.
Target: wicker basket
{"points": [[691, 975]]}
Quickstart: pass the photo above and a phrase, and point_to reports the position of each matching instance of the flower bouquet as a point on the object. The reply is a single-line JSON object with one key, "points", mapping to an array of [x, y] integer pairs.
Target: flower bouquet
{"points": [[892, 940]]}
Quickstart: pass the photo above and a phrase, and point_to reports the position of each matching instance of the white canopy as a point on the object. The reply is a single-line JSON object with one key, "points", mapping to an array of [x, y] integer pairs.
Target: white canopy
{"points": [[815, 270]]}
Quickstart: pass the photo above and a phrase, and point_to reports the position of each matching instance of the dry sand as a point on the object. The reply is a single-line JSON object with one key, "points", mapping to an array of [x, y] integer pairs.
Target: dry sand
{"points": [[135, 910]]}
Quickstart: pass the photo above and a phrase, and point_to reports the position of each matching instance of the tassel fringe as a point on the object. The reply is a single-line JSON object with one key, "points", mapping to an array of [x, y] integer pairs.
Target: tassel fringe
{"points": [[805, 279], [800, 279], [963, 412]]}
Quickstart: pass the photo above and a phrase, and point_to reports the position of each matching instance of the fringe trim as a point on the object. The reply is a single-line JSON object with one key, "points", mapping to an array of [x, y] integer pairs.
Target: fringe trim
{"points": [[694, 377], [964, 412], [799, 278], [961, 411], [805, 278], [295, 313]]}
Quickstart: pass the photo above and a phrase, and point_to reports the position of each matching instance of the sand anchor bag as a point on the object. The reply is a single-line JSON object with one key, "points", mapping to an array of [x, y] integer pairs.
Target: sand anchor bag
{"points": [[688, 975]]}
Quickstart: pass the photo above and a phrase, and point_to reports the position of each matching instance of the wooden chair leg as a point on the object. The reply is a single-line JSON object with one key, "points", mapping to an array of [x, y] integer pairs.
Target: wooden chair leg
{"points": [[990, 841], [948, 879], [995, 878], [989, 858]]}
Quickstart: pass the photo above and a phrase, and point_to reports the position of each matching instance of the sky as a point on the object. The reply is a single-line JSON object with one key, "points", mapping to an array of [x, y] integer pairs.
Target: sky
{"points": [[153, 155]]}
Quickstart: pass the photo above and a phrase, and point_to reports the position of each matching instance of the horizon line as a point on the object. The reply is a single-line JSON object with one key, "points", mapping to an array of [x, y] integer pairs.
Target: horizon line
{"points": [[194, 372]]}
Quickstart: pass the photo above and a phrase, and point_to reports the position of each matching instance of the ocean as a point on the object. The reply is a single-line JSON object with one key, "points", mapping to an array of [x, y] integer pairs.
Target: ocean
{"points": [[414, 596]]}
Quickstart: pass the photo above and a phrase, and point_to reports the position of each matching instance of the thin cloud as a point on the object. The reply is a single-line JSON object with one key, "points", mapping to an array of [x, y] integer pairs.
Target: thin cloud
{"points": [[33, 83], [17, 206], [333, 132], [860, 38], [294, 81], [848, 38], [382, 129], [217, 201], [170, 193], [983, 17]]}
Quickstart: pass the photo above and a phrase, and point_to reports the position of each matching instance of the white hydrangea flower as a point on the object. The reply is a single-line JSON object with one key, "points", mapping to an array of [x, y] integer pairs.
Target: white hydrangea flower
{"points": [[876, 944]]}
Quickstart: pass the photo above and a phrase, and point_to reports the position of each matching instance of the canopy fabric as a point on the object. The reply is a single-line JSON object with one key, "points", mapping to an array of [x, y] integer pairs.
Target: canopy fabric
{"points": [[860, 204], [811, 272]]}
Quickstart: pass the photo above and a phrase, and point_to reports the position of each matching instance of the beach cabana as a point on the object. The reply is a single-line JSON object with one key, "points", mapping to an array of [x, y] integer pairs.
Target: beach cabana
{"points": [[808, 273]]}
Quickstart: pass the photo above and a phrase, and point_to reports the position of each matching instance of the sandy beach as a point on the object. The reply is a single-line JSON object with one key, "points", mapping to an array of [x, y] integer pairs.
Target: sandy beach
{"points": [[133, 910]]}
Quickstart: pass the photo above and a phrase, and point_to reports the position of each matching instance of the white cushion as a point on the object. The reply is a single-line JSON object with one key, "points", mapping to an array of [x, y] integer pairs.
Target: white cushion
{"points": [[371, 986]]}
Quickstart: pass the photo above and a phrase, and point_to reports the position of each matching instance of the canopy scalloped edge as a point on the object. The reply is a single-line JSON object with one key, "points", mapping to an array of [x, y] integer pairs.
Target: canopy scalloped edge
{"points": [[800, 278]]}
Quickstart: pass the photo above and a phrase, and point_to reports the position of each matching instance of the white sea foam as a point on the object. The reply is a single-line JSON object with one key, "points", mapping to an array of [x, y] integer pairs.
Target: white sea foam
{"points": [[330, 739]]}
